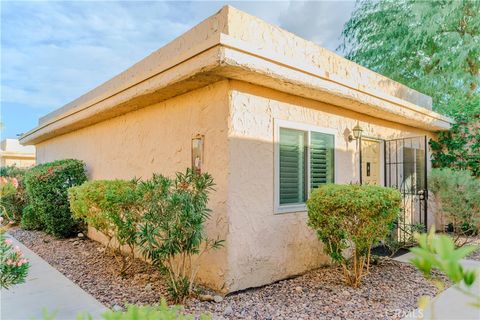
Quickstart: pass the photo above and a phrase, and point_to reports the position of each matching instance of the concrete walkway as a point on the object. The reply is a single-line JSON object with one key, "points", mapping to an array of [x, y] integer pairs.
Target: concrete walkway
{"points": [[451, 303], [45, 287]]}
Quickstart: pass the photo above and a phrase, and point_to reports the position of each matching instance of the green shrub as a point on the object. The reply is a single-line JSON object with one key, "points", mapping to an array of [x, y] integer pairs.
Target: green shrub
{"points": [[438, 252], [16, 202], [172, 230], [458, 196], [47, 186], [30, 220], [111, 207], [352, 217]]}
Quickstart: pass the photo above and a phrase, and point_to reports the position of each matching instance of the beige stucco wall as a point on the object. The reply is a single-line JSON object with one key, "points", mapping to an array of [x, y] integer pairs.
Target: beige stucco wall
{"points": [[158, 139], [19, 162], [237, 120], [264, 246]]}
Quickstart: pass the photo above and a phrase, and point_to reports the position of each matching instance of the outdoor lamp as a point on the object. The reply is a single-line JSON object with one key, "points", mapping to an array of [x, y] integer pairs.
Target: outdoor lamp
{"points": [[357, 133]]}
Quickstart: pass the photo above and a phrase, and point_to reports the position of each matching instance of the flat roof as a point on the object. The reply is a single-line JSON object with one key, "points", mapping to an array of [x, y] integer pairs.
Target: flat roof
{"points": [[232, 44]]}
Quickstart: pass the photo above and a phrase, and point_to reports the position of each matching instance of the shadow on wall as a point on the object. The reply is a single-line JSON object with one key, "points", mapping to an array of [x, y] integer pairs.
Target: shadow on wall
{"points": [[264, 246]]}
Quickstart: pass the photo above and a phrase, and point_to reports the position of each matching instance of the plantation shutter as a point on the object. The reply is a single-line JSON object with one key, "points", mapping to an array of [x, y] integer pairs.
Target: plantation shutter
{"points": [[292, 166], [321, 159]]}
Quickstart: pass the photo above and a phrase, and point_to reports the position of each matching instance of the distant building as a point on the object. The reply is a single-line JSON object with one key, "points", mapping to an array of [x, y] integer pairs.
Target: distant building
{"points": [[12, 153]]}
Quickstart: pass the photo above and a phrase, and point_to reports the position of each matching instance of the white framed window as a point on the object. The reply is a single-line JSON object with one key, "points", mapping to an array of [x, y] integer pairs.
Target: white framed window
{"points": [[304, 160]]}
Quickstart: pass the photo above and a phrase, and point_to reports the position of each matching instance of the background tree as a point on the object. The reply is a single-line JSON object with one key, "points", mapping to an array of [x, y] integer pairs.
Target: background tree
{"points": [[433, 47]]}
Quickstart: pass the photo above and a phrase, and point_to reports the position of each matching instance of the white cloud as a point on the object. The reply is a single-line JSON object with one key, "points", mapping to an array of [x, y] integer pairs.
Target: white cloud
{"points": [[52, 52]]}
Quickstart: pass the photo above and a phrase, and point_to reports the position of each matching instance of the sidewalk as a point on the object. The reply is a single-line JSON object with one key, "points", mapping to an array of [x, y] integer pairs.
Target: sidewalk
{"points": [[45, 287], [451, 303]]}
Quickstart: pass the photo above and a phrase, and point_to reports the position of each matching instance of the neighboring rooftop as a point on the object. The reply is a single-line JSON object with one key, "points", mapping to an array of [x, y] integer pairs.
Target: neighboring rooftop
{"points": [[14, 146], [235, 45]]}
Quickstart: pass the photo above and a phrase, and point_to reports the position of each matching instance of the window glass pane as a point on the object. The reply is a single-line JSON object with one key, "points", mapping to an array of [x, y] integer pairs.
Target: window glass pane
{"points": [[321, 159], [292, 166]]}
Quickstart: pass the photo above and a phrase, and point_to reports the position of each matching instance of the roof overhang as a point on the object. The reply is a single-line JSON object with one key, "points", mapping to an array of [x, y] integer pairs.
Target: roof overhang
{"points": [[223, 56]]}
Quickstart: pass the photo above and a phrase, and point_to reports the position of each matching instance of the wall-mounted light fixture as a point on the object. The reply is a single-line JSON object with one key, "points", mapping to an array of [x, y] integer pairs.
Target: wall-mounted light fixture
{"points": [[197, 152], [357, 133]]}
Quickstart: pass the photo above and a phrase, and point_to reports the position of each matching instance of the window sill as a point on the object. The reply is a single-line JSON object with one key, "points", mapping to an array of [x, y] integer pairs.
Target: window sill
{"points": [[291, 208]]}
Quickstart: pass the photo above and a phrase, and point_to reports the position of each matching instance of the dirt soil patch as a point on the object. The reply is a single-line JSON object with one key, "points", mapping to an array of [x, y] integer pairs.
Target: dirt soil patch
{"points": [[390, 291]]}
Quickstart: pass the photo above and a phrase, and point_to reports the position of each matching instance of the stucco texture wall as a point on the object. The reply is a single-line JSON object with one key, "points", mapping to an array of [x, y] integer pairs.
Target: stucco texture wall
{"points": [[264, 246], [158, 139]]}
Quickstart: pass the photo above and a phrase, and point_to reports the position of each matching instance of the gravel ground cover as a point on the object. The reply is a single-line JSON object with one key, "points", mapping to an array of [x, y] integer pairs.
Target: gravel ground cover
{"points": [[84, 262], [476, 254], [390, 291]]}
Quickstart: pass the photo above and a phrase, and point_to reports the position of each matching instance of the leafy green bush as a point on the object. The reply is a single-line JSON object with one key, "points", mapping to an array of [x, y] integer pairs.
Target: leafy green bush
{"points": [[439, 252], [172, 230], [30, 219], [458, 194], [15, 202], [352, 217], [47, 186], [111, 207]]}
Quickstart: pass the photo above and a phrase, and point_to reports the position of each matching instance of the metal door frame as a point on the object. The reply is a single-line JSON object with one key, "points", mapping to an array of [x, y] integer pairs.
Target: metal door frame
{"points": [[422, 194]]}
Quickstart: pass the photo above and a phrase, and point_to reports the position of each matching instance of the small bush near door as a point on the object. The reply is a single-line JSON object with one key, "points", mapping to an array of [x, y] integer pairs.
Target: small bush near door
{"points": [[112, 207], [47, 186], [349, 219], [458, 196]]}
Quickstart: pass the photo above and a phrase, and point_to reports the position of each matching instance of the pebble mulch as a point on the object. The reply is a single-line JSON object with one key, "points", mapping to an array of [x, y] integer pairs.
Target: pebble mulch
{"points": [[390, 291], [85, 262]]}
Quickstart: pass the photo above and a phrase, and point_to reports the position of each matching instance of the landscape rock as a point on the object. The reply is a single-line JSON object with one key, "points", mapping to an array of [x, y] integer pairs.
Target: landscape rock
{"points": [[217, 298], [117, 308], [228, 311], [205, 297]]}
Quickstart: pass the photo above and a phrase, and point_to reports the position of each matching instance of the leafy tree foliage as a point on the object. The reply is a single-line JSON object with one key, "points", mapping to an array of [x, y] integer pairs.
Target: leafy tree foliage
{"points": [[431, 46], [459, 148]]}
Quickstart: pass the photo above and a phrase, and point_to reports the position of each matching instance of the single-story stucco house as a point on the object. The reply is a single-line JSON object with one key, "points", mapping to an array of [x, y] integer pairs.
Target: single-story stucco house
{"points": [[270, 116]]}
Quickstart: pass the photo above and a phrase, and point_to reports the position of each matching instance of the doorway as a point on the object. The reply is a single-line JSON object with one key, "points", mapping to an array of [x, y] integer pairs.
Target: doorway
{"points": [[371, 162], [406, 170]]}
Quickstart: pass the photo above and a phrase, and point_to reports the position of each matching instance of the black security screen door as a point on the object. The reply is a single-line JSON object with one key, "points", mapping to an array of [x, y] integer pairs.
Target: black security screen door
{"points": [[406, 170]]}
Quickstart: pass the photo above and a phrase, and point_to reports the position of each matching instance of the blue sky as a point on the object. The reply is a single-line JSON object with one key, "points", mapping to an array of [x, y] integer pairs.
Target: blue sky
{"points": [[53, 52]]}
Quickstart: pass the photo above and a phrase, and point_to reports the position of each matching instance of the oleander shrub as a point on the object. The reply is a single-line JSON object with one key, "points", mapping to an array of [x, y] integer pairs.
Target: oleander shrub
{"points": [[13, 266], [111, 207], [349, 219], [47, 186], [17, 201], [172, 234], [458, 195]]}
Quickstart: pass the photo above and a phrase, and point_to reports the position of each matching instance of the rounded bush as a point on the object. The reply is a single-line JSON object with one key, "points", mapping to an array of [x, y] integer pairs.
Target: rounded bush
{"points": [[352, 217], [47, 186]]}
